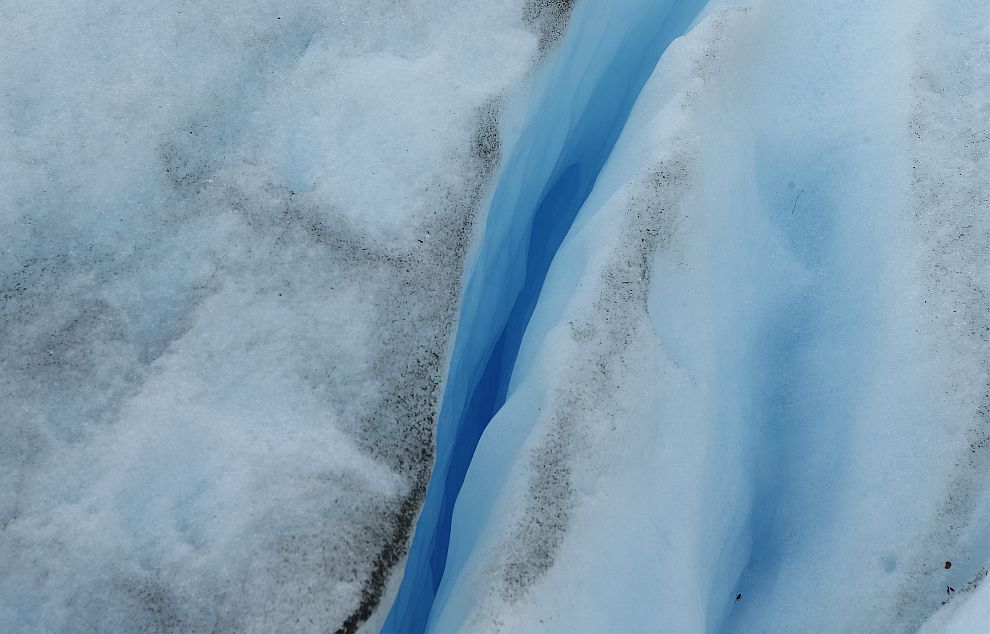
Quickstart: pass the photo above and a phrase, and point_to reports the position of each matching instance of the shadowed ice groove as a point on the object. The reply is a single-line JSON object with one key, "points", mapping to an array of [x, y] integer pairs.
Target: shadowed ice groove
{"points": [[807, 366], [580, 105]]}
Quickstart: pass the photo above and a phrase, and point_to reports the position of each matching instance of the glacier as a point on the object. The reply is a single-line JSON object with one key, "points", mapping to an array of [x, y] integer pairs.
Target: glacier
{"points": [[532, 315]]}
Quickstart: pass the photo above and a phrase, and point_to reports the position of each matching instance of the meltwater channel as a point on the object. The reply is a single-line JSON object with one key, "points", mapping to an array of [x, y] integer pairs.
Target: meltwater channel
{"points": [[579, 106]]}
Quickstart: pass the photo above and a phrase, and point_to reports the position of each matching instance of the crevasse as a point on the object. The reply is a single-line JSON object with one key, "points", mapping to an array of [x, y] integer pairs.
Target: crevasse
{"points": [[578, 108]]}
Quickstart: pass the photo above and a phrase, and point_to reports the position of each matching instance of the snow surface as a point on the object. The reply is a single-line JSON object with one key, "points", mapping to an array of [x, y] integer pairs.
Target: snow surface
{"points": [[966, 615], [232, 242], [752, 396]]}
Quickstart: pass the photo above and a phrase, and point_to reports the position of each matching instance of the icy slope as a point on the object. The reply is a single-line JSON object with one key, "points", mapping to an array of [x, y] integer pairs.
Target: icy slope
{"points": [[753, 395], [231, 238]]}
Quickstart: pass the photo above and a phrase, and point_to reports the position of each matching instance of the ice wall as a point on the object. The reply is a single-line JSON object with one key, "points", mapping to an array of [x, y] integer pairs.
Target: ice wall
{"points": [[753, 394]]}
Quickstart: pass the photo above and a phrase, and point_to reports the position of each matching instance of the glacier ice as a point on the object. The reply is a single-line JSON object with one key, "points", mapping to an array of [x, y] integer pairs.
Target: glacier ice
{"points": [[753, 396], [571, 125], [715, 274]]}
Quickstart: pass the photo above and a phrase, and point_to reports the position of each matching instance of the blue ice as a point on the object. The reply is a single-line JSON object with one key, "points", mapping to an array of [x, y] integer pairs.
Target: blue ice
{"points": [[584, 98]]}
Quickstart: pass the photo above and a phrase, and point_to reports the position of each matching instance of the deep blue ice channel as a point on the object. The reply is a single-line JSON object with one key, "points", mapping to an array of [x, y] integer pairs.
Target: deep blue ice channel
{"points": [[580, 104]]}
